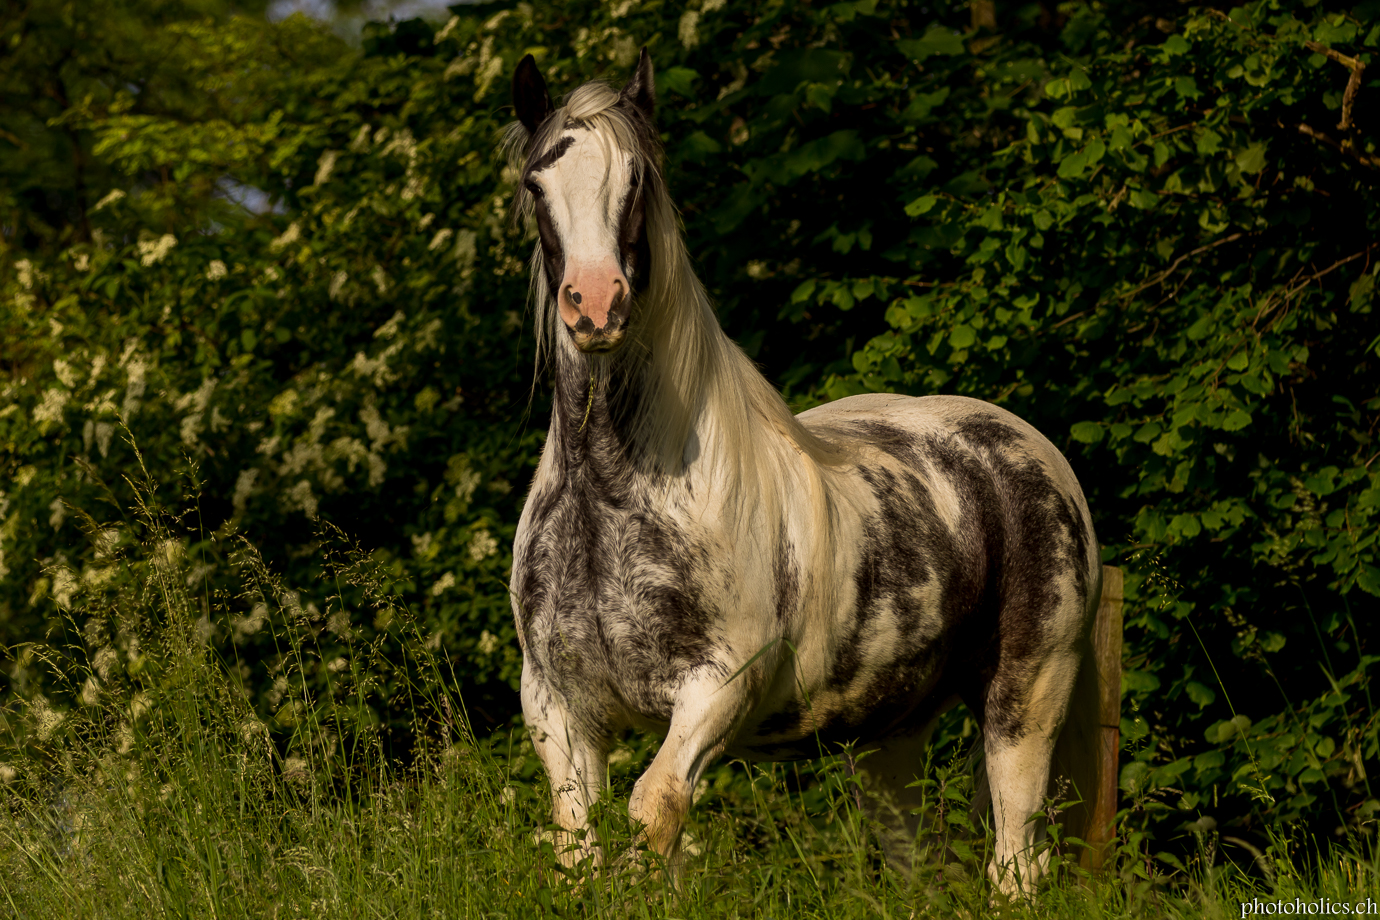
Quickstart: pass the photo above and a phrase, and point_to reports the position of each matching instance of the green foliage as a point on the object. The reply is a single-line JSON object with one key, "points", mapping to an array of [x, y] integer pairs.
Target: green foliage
{"points": [[1129, 265], [1150, 236]]}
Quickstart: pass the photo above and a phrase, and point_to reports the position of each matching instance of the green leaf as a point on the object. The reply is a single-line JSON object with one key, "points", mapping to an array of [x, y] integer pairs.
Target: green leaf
{"points": [[1204, 697], [678, 80], [1087, 432], [1072, 166], [921, 205], [936, 40], [1236, 420], [962, 336], [1252, 159], [1175, 45], [1208, 141], [924, 103]]}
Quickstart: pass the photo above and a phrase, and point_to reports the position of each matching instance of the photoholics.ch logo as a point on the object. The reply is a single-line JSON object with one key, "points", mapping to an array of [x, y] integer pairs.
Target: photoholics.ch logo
{"points": [[1313, 907]]}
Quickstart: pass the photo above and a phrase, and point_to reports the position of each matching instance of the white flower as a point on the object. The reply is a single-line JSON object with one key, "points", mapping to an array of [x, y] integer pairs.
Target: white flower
{"points": [[48, 721], [216, 270], [689, 22], [8, 774], [248, 625], [338, 623], [135, 369], [105, 660], [111, 197], [244, 486], [443, 583], [488, 643], [289, 236], [91, 691], [301, 497], [446, 30], [337, 285], [390, 328], [26, 273], [59, 512], [380, 279], [153, 251], [51, 409], [440, 238], [482, 545], [324, 166], [65, 373]]}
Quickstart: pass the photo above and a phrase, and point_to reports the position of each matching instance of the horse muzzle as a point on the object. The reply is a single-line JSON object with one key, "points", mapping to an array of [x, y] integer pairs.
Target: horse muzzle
{"points": [[595, 307]]}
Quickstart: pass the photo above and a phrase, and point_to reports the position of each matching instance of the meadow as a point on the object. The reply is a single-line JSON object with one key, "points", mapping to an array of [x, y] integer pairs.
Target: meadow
{"points": [[164, 794]]}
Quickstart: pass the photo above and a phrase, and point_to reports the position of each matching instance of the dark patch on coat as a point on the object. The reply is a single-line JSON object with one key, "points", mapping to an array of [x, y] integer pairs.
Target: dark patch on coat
{"points": [[902, 545], [1047, 539], [785, 578]]}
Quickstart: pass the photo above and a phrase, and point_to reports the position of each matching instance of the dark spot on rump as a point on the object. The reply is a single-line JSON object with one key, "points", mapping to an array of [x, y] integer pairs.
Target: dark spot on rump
{"points": [[1046, 538], [786, 578], [902, 547]]}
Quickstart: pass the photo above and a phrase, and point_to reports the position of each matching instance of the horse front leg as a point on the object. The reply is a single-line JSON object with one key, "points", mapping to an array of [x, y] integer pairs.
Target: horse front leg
{"points": [[575, 763], [707, 713]]}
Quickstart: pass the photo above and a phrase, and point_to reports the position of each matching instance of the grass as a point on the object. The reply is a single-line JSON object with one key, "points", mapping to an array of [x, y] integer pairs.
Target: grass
{"points": [[162, 793]]}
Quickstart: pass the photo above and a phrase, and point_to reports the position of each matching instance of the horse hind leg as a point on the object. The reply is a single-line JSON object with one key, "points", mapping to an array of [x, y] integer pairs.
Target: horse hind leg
{"points": [[889, 795], [1018, 748]]}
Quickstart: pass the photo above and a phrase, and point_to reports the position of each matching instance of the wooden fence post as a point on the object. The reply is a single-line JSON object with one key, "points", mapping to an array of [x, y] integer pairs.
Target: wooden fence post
{"points": [[1107, 649]]}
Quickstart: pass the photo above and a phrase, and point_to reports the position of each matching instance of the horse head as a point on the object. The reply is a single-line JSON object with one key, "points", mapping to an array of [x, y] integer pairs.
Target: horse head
{"points": [[587, 170]]}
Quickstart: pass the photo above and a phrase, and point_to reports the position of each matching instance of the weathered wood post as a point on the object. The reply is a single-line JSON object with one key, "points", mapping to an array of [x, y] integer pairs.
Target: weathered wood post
{"points": [[1107, 648]]}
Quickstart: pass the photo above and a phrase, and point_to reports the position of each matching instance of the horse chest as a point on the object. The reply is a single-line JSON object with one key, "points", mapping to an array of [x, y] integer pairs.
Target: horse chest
{"points": [[614, 602]]}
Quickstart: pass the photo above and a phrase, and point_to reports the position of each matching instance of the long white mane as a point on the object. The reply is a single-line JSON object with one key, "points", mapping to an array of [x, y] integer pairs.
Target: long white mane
{"points": [[691, 372]]}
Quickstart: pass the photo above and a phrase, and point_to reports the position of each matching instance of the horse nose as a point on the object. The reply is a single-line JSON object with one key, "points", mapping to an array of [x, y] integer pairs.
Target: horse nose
{"points": [[614, 293]]}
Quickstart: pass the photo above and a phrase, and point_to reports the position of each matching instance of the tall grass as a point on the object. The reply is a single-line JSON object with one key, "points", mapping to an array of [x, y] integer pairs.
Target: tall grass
{"points": [[158, 791]]}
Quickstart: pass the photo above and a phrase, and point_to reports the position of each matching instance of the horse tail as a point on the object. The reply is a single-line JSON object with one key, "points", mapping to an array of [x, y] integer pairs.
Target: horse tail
{"points": [[1073, 774], [1076, 776]]}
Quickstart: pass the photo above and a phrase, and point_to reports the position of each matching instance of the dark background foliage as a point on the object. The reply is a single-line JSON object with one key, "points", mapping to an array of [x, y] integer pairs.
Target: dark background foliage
{"points": [[281, 267]]}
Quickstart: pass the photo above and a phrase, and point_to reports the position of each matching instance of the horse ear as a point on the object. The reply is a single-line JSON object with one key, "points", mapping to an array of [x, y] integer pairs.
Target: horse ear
{"points": [[530, 98], [641, 89]]}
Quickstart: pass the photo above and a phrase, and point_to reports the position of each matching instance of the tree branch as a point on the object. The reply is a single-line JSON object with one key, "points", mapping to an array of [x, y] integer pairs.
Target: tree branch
{"points": [[1353, 86], [1179, 261]]}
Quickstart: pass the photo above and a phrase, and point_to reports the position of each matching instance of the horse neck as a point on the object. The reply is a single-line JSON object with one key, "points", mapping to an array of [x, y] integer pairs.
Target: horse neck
{"points": [[591, 419]]}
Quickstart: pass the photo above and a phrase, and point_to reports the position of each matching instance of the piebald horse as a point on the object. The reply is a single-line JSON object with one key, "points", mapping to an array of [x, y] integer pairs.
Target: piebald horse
{"points": [[696, 561]]}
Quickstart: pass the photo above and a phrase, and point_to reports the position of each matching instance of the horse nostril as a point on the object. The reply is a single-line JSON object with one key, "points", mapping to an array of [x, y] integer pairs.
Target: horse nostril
{"points": [[585, 325], [575, 298]]}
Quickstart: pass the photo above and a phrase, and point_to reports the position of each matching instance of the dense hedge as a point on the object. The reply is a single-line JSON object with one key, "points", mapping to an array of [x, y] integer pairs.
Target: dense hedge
{"points": [[1148, 229]]}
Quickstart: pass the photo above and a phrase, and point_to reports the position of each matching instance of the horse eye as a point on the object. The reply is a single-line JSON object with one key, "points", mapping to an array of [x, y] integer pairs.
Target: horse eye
{"points": [[533, 188]]}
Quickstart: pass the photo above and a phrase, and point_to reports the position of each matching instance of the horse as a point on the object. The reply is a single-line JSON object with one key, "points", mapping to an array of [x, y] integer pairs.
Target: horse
{"points": [[695, 560]]}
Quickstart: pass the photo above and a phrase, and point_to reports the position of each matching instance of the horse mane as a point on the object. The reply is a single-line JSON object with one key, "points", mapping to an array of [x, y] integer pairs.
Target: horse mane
{"points": [[691, 371]]}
